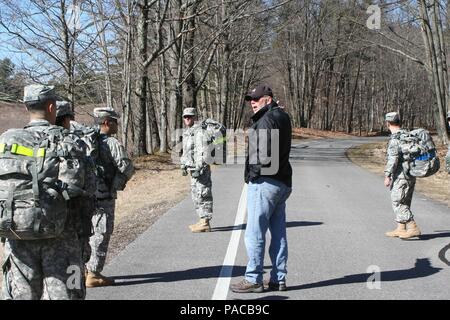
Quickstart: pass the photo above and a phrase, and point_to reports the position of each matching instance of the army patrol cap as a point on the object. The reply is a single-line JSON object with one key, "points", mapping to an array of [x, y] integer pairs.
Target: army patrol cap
{"points": [[189, 112], [63, 108], [106, 113], [38, 93], [392, 117]]}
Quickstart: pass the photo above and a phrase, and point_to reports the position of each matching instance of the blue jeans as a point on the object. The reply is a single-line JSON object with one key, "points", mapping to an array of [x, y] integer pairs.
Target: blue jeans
{"points": [[266, 207]]}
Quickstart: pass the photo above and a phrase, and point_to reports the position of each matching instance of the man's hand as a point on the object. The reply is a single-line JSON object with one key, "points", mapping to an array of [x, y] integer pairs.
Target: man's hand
{"points": [[387, 182]]}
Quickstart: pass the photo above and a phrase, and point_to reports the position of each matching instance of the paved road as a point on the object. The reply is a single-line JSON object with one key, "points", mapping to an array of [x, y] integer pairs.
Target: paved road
{"points": [[337, 216]]}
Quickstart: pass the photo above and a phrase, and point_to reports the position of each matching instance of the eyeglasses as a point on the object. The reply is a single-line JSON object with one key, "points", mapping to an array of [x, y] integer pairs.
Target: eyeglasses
{"points": [[188, 117]]}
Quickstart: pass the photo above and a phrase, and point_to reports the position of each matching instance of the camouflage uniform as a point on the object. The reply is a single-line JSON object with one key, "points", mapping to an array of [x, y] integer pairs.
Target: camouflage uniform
{"points": [[114, 168], [39, 269], [193, 160], [447, 157], [402, 187], [81, 209]]}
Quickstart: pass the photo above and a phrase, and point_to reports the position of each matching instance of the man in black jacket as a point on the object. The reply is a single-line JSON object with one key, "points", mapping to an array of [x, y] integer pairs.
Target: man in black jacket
{"points": [[269, 177]]}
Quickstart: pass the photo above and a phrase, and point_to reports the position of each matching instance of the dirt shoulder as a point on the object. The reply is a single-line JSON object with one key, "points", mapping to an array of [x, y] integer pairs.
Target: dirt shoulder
{"points": [[373, 158]]}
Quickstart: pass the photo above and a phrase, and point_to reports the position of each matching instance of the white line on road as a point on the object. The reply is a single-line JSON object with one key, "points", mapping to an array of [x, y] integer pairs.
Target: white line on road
{"points": [[223, 283]]}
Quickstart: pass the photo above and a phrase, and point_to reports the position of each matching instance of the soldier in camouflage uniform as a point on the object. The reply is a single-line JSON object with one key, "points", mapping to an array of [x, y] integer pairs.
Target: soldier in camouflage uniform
{"points": [[194, 162], [45, 268], [114, 169], [447, 157], [81, 208], [400, 183]]}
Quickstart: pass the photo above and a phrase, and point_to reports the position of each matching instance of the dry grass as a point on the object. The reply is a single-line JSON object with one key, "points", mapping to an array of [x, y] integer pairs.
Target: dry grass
{"points": [[373, 158], [305, 133]]}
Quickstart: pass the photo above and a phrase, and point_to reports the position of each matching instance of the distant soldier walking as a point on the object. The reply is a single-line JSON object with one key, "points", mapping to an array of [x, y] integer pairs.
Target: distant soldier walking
{"points": [[447, 157], [114, 169], [400, 182], [194, 162]]}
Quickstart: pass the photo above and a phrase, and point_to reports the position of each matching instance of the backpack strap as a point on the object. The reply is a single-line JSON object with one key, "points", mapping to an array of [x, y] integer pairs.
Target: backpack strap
{"points": [[8, 206]]}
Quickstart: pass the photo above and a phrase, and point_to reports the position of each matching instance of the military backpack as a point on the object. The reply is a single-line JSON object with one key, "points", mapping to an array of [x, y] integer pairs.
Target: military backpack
{"points": [[216, 139], [419, 153], [40, 170]]}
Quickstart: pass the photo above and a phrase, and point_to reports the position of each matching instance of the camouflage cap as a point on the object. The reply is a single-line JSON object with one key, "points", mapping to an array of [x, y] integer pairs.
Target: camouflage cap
{"points": [[189, 112], [38, 92], [106, 113], [63, 108], [392, 117]]}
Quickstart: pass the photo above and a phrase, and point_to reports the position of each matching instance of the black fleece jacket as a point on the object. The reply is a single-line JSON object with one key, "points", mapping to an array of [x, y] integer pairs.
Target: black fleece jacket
{"points": [[263, 122]]}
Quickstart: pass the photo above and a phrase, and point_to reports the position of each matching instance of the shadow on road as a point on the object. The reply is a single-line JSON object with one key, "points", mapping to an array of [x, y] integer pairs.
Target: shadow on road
{"points": [[293, 224], [290, 224], [229, 228], [430, 236], [421, 269], [266, 298], [174, 276]]}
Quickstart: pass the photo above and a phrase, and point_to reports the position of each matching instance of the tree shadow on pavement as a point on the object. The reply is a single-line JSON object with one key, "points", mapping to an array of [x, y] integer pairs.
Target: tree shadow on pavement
{"points": [[421, 269], [290, 224], [174, 276]]}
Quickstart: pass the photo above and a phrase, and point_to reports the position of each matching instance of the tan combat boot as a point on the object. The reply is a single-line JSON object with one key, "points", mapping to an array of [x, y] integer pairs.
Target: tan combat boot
{"points": [[201, 226], [94, 279], [401, 229], [195, 225], [412, 230]]}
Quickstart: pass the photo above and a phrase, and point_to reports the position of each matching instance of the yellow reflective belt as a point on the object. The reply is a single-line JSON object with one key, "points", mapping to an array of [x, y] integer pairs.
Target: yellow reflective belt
{"points": [[24, 151], [221, 140], [2, 147], [41, 153]]}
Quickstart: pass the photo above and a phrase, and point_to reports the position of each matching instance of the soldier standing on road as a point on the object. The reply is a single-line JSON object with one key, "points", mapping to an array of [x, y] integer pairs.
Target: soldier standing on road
{"points": [[83, 207], [114, 170], [447, 157], [42, 266], [194, 162], [401, 184]]}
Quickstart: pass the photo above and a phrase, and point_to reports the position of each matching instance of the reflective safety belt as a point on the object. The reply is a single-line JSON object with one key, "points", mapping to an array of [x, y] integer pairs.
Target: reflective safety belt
{"points": [[220, 140], [23, 151]]}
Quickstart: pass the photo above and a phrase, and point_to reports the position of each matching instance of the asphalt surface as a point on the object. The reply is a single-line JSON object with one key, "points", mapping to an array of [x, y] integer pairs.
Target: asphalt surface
{"points": [[337, 216]]}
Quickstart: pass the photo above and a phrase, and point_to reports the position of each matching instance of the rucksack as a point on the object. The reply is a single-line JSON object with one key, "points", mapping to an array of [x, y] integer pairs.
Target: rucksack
{"points": [[90, 136], [40, 170], [216, 139], [419, 153]]}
